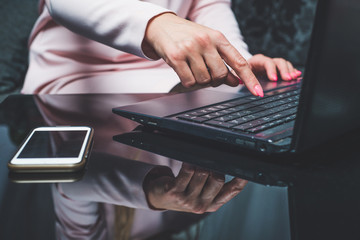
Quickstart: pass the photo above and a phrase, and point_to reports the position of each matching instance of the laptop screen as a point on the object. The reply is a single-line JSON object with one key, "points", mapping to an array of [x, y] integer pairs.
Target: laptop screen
{"points": [[330, 98]]}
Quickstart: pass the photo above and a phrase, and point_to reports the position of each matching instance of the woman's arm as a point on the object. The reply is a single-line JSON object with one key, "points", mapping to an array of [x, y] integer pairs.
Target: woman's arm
{"points": [[217, 14], [119, 24]]}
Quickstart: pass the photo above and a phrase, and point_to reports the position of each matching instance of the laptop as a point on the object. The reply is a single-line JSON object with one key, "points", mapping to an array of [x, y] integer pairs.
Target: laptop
{"points": [[301, 115]]}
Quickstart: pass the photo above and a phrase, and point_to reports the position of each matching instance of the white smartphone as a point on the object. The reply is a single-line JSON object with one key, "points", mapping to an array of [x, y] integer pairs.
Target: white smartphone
{"points": [[53, 149]]}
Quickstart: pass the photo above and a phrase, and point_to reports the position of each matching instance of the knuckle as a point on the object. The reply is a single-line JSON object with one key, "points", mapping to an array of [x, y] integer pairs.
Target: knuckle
{"points": [[188, 83], [199, 208], [220, 180], [187, 46], [279, 60], [187, 168], [202, 172], [236, 189], [174, 56], [203, 39], [181, 200], [186, 203], [219, 35], [240, 63], [204, 80], [199, 212], [221, 75], [260, 55], [173, 194]]}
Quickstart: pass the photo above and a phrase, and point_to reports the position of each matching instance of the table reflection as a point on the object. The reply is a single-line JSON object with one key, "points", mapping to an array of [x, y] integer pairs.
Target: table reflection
{"points": [[117, 197], [130, 193], [126, 192]]}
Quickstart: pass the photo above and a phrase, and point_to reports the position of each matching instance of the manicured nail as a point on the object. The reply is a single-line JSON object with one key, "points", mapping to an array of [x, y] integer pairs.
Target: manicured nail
{"points": [[259, 90], [274, 77], [298, 73], [294, 75], [240, 81], [288, 76]]}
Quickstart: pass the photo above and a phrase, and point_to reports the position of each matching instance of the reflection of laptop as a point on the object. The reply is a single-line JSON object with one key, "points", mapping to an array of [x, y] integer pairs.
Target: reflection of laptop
{"points": [[187, 149], [328, 104]]}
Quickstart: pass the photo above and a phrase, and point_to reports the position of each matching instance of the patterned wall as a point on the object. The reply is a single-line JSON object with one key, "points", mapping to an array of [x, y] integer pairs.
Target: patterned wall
{"points": [[278, 27]]}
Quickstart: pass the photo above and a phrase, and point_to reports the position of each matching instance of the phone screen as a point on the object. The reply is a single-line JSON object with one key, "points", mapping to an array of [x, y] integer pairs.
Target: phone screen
{"points": [[54, 144]]}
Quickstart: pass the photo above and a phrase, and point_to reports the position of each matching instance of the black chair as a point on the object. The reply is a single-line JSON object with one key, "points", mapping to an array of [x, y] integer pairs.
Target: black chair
{"points": [[277, 28], [18, 17]]}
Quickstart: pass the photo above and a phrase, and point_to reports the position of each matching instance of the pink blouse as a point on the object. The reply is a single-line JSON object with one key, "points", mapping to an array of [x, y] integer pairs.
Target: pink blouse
{"points": [[93, 46]]}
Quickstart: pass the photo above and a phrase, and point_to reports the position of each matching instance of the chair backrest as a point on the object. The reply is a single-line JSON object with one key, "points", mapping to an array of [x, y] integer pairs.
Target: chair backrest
{"points": [[277, 28], [17, 20]]}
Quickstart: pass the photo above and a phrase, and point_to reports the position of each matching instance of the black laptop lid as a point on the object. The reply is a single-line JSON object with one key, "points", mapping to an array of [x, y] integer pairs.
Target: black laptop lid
{"points": [[332, 79]]}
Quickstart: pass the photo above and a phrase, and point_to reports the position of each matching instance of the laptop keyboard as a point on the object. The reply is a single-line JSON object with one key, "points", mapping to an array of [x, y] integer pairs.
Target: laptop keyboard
{"points": [[249, 114]]}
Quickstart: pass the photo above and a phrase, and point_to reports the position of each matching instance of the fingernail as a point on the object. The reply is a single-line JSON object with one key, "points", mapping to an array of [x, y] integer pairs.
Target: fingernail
{"points": [[294, 75], [274, 77], [288, 76], [240, 81], [259, 90], [298, 73]]}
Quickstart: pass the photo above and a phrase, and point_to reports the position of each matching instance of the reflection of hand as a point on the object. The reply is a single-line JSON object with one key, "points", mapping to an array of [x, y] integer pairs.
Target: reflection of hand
{"points": [[261, 64], [193, 190], [197, 53]]}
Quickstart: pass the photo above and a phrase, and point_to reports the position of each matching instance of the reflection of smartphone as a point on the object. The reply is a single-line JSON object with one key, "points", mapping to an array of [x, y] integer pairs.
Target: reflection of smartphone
{"points": [[46, 177], [53, 149]]}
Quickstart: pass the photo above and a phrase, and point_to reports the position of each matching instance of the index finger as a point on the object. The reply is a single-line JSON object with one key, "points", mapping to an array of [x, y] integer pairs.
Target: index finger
{"points": [[234, 59], [228, 192]]}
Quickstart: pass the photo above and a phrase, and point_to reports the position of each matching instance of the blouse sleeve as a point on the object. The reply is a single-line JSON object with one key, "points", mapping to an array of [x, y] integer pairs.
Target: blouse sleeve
{"points": [[217, 14], [119, 24]]}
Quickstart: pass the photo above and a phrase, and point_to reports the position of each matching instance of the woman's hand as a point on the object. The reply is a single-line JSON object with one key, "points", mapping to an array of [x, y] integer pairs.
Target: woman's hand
{"points": [[197, 54], [271, 67], [194, 189], [200, 55]]}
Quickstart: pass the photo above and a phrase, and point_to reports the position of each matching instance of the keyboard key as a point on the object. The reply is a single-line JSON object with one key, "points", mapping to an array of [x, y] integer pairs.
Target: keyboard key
{"points": [[219, 124], [226, 118], [221, 107], [244, 119], [192, 118], [225, 111], [211, 109]]}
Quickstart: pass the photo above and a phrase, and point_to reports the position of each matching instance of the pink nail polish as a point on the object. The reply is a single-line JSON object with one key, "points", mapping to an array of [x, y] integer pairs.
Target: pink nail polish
{"points": [[275, 78], [298, 73], [259, 91], [294, 75]]}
